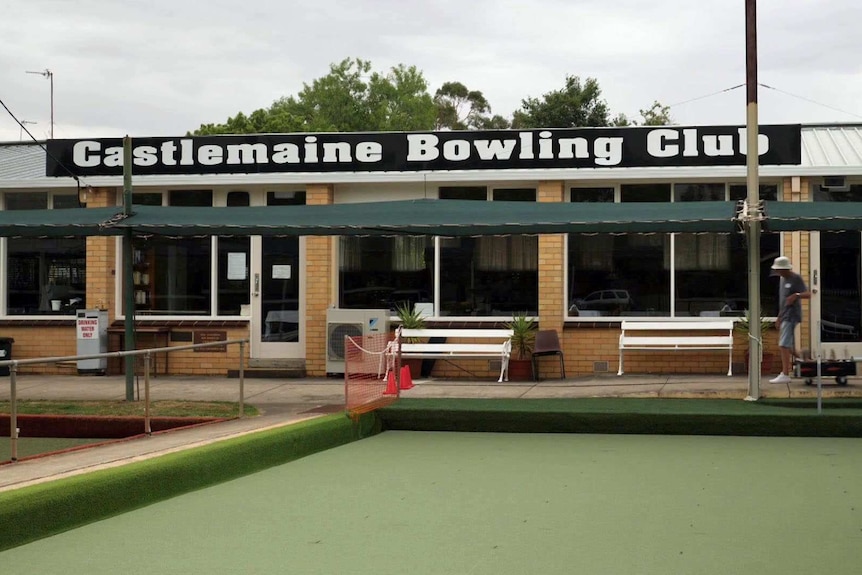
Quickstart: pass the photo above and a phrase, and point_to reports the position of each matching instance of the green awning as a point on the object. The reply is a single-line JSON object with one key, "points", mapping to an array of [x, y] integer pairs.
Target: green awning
{"points": [[59, 223], [412, 217], [813, 216], [435, 217]]}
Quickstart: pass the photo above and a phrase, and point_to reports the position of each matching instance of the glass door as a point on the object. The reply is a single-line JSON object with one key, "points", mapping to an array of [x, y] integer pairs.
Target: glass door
{"points": [[836, 278], [277, 298]]}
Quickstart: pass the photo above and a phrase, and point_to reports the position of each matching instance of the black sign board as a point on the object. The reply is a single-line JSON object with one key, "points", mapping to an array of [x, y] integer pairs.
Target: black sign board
{"points": [[653, 146]]}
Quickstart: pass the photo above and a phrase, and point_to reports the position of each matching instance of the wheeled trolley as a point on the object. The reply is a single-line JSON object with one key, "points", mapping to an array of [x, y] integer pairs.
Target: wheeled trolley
{"points": [[840, 369]]}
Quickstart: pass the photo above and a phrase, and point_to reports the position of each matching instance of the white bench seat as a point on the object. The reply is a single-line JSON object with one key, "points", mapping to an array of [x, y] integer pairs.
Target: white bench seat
{"points": [[684, 335], [495, 344]]}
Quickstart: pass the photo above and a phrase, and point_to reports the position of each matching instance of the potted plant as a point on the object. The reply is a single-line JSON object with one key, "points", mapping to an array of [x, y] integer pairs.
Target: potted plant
{"points": [[743, 325], [410, 318], [523, 339]]}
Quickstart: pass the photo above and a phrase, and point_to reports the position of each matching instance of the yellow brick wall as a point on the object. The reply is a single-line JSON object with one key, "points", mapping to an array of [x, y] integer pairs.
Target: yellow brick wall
{"points": [[319, 272], [797, 246], [101, 259]]}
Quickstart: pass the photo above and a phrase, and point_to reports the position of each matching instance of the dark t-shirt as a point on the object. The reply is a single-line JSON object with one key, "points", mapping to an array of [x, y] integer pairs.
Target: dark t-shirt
{"points": [[793, 283]]}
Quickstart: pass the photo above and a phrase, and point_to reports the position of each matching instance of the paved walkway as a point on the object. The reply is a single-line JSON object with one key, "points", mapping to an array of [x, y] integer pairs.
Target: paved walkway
{"points": [[282, 402]]}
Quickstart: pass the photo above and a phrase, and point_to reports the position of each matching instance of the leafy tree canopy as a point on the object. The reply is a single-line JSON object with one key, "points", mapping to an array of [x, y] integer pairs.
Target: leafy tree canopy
{"points": [[349, 99], [352, 98], [575, 105]]}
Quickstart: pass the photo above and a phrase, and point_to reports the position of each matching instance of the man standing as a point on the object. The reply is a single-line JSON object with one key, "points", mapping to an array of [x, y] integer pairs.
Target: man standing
{"points": [[791, 291]]}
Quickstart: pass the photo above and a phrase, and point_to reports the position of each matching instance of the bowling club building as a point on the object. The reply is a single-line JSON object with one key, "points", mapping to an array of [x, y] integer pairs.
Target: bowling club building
{"points": [[292, 240]]}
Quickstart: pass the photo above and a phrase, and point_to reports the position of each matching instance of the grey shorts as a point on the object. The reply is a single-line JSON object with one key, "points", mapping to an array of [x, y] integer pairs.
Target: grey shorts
{"points": [[785, 334]]}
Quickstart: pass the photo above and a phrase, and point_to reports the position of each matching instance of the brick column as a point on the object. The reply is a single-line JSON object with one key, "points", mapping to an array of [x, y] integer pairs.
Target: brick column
{"points": [[551, 260], [101, 258], [319, 282], [797, 245]]}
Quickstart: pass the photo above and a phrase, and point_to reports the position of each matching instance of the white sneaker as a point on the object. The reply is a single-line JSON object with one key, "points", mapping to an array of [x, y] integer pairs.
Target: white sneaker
{"points": [[780, 378]]}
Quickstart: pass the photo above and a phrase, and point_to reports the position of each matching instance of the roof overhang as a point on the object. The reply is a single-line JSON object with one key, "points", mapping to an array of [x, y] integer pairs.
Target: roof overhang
{"points": [[407, 217]]}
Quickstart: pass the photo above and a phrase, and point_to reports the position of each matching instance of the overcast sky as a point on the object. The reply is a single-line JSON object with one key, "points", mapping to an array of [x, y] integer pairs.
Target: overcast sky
{"points": [[163, 67]]}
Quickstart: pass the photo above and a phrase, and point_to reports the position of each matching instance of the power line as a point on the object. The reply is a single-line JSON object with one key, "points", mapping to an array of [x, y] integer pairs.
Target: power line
{"points": [[810, 100], [707, 95], [769, 88]]}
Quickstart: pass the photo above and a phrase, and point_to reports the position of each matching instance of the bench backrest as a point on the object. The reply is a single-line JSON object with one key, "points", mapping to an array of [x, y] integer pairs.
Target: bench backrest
{"points": [[459, 333], [636, 325]]}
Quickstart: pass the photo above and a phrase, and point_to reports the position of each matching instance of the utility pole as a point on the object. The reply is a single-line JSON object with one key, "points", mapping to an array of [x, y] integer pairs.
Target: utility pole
{"points": [[46, 73], [752, 215], [128, 283]]}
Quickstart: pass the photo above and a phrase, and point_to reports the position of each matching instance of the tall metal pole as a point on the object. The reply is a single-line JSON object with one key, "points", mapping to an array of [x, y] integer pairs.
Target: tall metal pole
{"points": [[753, 223], [50, 75], [128, 282]]}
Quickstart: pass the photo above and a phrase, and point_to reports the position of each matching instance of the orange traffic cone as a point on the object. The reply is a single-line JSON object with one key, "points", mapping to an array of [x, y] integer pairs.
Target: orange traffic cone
{"points": [[406, 378], [391, 386]]}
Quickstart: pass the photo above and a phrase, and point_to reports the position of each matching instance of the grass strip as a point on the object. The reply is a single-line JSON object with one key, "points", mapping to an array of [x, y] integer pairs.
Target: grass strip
{"points": [[42, 510], [625, 415], [161, 408]]}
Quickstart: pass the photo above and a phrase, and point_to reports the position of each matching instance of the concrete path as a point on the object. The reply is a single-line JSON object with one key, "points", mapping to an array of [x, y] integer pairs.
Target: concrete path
{"points": [[283, 402]]}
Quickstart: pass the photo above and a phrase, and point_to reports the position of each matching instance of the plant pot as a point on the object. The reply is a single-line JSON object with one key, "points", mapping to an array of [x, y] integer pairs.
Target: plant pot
{"points": [[520, 370]]}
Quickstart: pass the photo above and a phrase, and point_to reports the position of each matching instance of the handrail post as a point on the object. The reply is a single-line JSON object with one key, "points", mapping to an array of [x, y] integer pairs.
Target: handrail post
{"points": [[13, 412], [147, 428], [241, 379]]}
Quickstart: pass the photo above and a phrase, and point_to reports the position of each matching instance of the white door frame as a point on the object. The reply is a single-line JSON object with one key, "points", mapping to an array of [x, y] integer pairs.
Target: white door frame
{"points": [[829, 350], [260, 349]]}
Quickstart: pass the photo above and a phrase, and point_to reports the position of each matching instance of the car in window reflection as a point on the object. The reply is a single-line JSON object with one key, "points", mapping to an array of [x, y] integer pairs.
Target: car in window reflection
{"points": [[604, 300]]}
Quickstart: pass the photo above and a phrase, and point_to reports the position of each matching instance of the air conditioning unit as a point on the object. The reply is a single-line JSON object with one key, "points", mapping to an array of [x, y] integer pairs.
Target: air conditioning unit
{"points": [[350, 322], [835, 184]]}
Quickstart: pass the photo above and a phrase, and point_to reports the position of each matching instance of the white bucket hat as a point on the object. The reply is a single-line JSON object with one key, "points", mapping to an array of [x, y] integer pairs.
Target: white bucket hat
{"points": [[782, 263]]}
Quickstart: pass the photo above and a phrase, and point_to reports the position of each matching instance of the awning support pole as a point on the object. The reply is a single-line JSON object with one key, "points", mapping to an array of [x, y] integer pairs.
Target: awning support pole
{"points": [[752, 216]]}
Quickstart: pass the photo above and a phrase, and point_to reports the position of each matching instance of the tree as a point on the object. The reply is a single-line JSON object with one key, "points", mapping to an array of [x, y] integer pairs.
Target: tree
{"points": [[461, 109], [656, 115], [576, 105], [349, 99], [621, 121]]}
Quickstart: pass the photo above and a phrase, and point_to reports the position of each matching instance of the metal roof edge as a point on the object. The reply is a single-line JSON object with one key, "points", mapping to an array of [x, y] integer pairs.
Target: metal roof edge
{"points": [[514, 175]]}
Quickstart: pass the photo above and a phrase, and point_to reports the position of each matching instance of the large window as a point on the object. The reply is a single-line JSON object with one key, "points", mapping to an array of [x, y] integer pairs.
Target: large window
{"points": [[840, 274], [44, 276], [481, 276], [382, 273], [665, 274], [172, 276]]}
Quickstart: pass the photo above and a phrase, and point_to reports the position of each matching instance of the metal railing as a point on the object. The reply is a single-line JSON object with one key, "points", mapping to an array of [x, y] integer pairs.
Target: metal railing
{"points": [[146, 353]]}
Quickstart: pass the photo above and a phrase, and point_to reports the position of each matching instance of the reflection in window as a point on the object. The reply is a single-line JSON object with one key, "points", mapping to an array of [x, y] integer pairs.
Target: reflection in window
{"points": [[147, 198], [767, 192], [613, 275], [483, 276], [489, 276], [630, 274], [463, 193], [712, 274], [172, 275], [645, 193], [592, 194], [841, 283], [698, 192], [44, 276], [381, 273]]}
